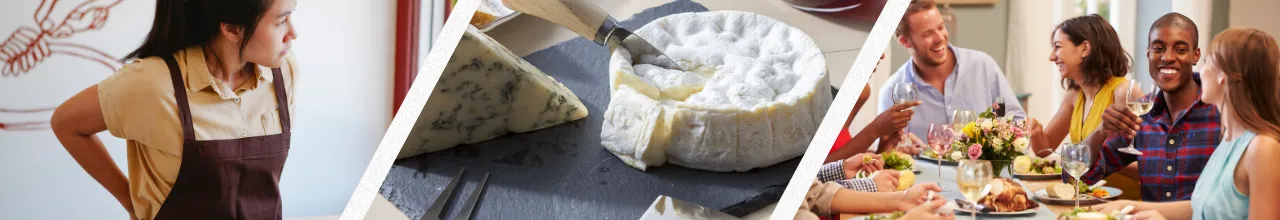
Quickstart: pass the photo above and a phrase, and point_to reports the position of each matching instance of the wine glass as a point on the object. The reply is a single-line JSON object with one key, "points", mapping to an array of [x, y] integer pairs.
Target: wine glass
{"points": [[903, 93], [1076, 160], [1025, 126], [1140, 99], [960, 118], [940, 138], [973, 176]]}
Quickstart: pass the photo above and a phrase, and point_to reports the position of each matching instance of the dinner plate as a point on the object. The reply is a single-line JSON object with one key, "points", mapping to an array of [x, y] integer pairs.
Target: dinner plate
{"points": [[1043, 196], [1023, 212], [1038, 176], [934, 161]]}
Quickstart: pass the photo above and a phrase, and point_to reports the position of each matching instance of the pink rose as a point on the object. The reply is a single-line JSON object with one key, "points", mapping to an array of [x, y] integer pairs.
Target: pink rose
{"points": [[1018, 132], [975, 151]]}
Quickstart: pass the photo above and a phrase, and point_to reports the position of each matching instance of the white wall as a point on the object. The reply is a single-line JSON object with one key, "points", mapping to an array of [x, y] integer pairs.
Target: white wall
{"points": [[1039, 76], [1258, 14], [345, 51]]}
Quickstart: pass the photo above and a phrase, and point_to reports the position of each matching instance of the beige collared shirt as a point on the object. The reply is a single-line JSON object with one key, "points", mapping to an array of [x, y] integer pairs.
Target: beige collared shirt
{"points": [[138, 105], [817, 201]]}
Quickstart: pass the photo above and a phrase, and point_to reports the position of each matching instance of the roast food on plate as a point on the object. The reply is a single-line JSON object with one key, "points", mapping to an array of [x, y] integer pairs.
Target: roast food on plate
{"points": [[1007, 196], [753, 96], [486, 91], [1027, 165]]}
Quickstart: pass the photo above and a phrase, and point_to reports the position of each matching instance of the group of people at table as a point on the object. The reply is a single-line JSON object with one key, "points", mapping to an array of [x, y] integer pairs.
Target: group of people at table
{"points": [[1207, 145]]}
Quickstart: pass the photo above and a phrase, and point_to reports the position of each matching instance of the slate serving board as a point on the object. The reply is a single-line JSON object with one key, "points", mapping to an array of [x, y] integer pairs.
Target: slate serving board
{"points": [[563, 172]]}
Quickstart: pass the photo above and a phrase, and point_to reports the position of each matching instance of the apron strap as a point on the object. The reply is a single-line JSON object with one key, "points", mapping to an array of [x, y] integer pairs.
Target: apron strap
{"points": [[282, 102], [175, 75]]}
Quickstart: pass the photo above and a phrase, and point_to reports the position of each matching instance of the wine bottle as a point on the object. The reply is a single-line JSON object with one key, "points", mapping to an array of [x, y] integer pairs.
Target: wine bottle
{"points": [[999, 107]]}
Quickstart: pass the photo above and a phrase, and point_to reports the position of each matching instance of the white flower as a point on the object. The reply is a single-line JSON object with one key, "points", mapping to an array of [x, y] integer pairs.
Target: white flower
{"points": [[986, 124], [998, 144], [957, 156], [1021, 144]]}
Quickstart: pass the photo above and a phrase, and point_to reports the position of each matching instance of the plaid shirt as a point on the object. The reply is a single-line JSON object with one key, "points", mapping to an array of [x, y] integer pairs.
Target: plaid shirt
{"points": [[834, 171], [1174, 151]]}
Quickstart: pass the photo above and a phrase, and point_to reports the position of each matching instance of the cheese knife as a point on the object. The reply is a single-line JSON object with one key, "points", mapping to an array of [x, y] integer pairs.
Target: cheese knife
{"points": [[593, 23]]}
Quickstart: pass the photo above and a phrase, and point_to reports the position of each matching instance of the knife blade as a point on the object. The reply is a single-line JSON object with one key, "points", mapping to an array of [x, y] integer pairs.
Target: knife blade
{"points": [[666, 207], [591, 22]]}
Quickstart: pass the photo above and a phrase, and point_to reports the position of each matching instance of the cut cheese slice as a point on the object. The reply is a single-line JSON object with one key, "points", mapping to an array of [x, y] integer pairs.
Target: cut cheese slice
{"points": [[752, 96], [486, 91]]}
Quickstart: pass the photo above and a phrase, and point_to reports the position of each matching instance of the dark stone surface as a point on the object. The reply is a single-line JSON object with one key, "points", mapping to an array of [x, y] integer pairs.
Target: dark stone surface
{"points": [[562, 172]]}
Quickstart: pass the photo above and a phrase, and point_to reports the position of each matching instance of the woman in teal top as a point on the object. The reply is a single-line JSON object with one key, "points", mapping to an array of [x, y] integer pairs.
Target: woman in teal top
{"points": [[1241, 179]]}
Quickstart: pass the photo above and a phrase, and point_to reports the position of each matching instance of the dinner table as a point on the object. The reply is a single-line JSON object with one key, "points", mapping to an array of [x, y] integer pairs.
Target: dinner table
{"points": [[929, 174]]}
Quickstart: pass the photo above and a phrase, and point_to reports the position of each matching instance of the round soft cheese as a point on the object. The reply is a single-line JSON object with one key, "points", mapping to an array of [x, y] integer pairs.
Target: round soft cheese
{"points": [[752, 94]]}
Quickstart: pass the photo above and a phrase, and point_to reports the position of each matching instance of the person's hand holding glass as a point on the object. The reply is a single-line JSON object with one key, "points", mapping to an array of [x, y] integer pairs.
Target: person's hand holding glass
{"points": [[1139, 103], [904, 93]]}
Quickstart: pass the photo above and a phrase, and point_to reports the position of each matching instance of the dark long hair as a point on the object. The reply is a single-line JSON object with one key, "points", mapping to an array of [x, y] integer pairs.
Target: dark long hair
{"points": [[184, 23], [1106, 58]]}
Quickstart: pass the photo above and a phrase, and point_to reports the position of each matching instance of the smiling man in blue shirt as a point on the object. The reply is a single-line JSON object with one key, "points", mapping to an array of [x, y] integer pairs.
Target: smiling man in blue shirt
{"points": [[946, 77]]}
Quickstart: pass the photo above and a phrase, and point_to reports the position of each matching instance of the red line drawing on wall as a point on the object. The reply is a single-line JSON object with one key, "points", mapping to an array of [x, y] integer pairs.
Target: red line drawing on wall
{"points": [[27, 46]]}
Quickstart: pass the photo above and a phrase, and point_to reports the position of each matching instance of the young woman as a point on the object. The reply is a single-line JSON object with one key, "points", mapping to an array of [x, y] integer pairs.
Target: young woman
{"points": [[1239, 182], [204, 108], [1092, 64]]}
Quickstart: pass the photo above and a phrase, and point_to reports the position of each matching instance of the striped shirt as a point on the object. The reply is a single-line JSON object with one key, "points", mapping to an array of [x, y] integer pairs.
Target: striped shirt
{"points": [[1174, 150]]}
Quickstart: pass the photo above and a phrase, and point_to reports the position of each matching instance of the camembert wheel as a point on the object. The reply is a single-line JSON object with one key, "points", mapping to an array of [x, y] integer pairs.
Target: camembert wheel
{"points": [[753, 96]]}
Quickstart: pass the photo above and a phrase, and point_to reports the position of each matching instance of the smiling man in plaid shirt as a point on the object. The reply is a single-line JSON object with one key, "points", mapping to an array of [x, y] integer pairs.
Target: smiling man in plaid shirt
{"points": [[1179, 134]]}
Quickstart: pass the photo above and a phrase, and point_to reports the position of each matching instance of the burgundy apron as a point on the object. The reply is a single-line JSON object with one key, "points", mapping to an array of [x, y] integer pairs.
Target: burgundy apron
{"points": [[227, 179]]}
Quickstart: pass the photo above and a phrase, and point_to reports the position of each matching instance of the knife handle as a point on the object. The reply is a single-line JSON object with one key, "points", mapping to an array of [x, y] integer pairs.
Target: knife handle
{"points": [[581, 16]]}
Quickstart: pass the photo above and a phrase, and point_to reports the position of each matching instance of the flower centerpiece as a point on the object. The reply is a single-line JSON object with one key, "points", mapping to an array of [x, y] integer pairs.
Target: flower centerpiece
{"points": [[990, 138]]}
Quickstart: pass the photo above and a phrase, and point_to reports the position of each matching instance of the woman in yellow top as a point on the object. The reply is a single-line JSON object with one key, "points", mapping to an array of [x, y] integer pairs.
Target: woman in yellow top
{"points": [[204, 108], [1093, 65]]}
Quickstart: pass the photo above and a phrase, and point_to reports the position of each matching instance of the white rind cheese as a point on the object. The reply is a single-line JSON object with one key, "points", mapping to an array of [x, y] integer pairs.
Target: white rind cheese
{"points": [[486, 91], [753, 95]]}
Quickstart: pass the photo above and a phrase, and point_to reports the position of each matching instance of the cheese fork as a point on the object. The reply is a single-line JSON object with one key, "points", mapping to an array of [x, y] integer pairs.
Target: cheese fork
{"points": [[437, 208], [433, 213], [590, 21]]}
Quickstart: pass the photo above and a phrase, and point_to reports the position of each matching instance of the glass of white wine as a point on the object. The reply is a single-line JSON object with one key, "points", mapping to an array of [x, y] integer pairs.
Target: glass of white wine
{"points": [[1076, 160], [903, 93], [973, 176], [1141, 98]]}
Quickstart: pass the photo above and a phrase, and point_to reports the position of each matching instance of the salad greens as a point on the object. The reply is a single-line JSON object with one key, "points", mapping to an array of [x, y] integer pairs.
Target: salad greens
{"points": [[1070, 215], [897, 161]]}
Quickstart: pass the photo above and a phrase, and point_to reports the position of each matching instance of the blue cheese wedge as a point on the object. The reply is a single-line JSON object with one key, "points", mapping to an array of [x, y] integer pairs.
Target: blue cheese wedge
{"points": [[752, 94], [486, 91]]}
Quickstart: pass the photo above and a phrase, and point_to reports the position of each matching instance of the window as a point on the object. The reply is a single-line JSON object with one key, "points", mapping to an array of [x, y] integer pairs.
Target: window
{"points": [[1100, 7]]}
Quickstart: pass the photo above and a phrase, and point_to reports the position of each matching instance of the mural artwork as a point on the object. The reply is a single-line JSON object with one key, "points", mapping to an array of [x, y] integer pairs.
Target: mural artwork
{"points": [[27, 46]]}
